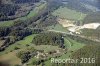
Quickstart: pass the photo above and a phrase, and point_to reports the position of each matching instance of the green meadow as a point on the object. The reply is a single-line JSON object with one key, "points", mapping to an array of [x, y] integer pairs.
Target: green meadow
{"points": [[57, 27], [64, 12]]}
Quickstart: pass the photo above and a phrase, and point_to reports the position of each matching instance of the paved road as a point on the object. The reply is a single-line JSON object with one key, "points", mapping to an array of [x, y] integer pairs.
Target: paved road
{"points": [[60, 32]]}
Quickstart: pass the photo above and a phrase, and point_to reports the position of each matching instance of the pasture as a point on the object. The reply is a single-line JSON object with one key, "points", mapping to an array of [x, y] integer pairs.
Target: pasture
{"points": [[64, 12]]}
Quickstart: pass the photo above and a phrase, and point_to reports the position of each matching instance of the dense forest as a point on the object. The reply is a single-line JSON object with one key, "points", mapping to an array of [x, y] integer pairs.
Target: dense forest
{"points": [[89, 51], [74, 5], [24, 1], [7, 10], [92, 18], [49, 38], [26, 55], [91, 33]]}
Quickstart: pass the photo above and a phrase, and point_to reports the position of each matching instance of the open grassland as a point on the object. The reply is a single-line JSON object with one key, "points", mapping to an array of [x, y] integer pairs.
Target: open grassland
{"points": [[46, 48], [32, 13], [74, 46], [10, 58], [64, 12], [6, 23], [57, 27]]}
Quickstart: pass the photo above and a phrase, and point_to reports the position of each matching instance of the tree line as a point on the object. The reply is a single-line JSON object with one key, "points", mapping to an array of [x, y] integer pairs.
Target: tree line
{"points": [[26, 55], [82, 40], [24, 1]]}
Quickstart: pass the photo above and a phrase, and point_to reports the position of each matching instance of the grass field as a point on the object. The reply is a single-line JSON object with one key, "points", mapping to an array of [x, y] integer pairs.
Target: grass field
{"points": [[57, 27], [74, 46], [46, 48], [64, 12], [32, 13], [10, 58], [6, 23]]}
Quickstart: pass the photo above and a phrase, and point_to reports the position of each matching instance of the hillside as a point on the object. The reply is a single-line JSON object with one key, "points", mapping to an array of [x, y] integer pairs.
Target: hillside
{"points": [[12, 9], [90, 51], [84, 6], [35, 32], [92, 18]]}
